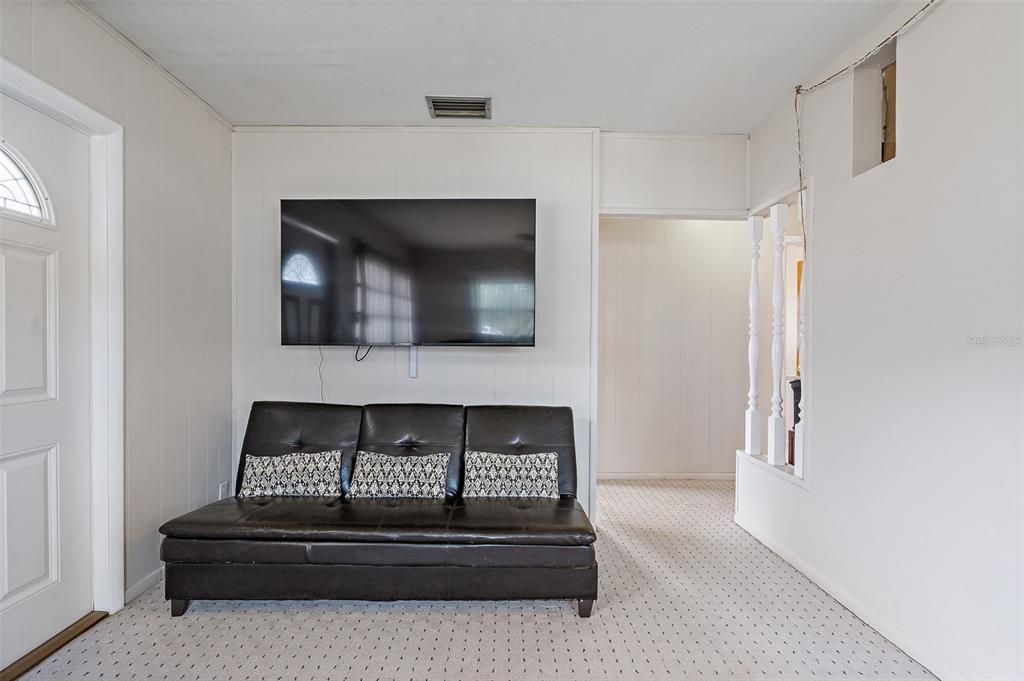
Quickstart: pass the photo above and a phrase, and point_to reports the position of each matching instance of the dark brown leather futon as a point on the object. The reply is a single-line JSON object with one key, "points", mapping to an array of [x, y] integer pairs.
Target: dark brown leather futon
{"points": [[301, 547]]}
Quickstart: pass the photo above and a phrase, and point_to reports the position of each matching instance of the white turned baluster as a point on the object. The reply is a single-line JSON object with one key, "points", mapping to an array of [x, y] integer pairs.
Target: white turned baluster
{"points": [[752, 441], [776, 421], [798, 429]]}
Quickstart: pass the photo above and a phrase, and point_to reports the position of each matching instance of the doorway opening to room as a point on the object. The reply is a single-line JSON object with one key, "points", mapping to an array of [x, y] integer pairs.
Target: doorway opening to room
{"points": [[674, 354]]}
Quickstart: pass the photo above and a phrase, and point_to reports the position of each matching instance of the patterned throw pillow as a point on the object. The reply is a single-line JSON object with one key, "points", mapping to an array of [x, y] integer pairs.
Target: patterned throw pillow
{"points": [[511, 475], [385, 475], [296, 475]]}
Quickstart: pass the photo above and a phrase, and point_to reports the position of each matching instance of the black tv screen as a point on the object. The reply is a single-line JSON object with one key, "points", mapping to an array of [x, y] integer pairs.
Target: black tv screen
{"points": [[407, 271]]}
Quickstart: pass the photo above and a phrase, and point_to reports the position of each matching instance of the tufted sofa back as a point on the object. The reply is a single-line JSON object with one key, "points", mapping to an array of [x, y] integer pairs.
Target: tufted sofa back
{"points": [[277, 428], [414, 430], [515, 429]]}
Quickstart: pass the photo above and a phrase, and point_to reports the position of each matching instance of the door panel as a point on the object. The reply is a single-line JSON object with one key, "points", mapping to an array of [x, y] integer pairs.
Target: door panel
{"points": [[45, 471], [28, 523], [28, 280]]}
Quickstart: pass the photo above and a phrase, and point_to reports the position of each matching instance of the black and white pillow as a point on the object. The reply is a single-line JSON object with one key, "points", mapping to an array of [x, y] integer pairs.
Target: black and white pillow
{"points": [[301, 474], [511, 475], [385, 475]]}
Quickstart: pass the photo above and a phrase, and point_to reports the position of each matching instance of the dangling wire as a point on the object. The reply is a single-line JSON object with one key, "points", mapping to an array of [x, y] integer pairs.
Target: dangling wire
{"points": [[358, 347], [800, 170], [320, 373], [875, 50], [800, 90]]}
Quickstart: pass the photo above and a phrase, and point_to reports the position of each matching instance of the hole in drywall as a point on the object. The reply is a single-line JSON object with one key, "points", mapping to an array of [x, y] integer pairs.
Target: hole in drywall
{"points": [[874, 110], [889, 112]]}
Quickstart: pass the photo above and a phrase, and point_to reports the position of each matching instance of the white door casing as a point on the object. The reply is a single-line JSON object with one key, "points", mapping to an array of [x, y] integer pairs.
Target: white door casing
{"points": [[45, 388]]}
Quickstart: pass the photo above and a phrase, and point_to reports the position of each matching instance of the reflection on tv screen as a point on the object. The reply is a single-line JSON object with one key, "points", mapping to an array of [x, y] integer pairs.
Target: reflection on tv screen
{"points": [[408, 271]]}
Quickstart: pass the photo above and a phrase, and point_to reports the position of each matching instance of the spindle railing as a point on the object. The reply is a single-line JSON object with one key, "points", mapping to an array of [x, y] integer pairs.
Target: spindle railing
{"points": [[775, 449]]}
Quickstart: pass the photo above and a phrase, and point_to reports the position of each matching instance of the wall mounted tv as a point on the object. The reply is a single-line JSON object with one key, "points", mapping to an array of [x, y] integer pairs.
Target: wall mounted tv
{"points": [[408, 271]]}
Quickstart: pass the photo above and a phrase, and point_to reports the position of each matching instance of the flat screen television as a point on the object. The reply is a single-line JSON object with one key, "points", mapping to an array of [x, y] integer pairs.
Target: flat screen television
{"points": [[408, 271]]}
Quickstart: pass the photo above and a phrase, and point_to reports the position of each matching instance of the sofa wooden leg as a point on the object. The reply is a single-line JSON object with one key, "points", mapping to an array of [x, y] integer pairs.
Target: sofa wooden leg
{"points": [[179, 606], [586, 606]]}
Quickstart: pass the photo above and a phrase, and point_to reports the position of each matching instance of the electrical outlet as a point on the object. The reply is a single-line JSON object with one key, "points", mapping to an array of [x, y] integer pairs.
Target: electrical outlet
{"points": [[222, 490]]}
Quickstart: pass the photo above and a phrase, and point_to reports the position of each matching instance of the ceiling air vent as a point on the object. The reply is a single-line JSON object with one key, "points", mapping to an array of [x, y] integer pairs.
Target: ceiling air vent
{"points": [[459, 107]]}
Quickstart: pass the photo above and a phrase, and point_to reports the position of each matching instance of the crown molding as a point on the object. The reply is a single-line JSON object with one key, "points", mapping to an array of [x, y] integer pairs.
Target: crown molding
{"points": [[125, 41]]}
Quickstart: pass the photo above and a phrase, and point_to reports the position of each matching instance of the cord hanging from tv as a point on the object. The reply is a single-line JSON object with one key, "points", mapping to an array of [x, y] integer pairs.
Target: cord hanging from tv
{"points": [[364, 272]]}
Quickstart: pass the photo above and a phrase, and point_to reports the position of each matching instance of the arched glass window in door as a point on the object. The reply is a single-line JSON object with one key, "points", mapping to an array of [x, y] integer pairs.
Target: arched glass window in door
{"points": [[299, 269], [18, 193]]}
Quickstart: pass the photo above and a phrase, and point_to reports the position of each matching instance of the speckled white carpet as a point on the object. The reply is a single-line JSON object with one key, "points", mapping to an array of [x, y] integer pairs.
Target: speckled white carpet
{"points": [[685, 593]]}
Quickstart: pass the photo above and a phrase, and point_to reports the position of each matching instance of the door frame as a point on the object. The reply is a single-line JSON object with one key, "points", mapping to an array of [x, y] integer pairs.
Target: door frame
{"points": [[106, 321]]}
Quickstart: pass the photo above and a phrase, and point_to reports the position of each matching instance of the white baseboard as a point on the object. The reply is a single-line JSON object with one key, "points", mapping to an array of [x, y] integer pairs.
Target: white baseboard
{"points": [[665, 476], [143, 585], [869, 615]]}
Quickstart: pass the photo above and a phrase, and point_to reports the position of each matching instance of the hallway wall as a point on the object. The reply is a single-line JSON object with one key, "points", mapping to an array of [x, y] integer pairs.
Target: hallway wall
{"points": [[672, 347]]}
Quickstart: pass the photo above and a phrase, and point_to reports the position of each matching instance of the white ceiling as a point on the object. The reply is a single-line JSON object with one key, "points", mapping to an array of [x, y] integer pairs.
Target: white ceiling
{"points": [[689, 67]]}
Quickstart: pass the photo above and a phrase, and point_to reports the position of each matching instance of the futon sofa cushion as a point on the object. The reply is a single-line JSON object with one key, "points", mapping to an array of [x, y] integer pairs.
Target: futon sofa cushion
{"points": [[512, 429], [412, 430], [277, 428], [543, 522]]}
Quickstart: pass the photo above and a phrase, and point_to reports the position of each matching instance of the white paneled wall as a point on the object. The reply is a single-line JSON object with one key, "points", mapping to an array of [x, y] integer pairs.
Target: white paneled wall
{"points": [[672, 360], [557, 167], [912, 510], [682, 176], [177, 261]]}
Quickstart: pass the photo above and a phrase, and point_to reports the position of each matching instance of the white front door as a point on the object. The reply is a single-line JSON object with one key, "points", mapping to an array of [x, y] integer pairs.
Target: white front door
{"points": [[45, 484]]}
